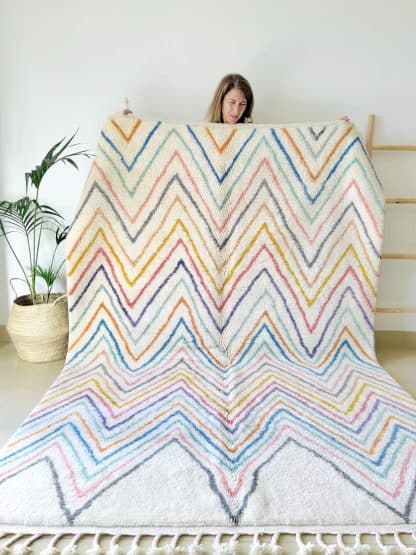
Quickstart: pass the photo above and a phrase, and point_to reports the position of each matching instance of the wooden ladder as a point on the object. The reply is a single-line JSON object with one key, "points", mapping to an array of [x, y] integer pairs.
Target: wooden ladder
{"points": [[396, 201]]}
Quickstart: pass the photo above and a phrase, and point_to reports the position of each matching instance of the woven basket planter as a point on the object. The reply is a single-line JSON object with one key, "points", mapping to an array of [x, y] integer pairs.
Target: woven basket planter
{"points": [[39, 331]]}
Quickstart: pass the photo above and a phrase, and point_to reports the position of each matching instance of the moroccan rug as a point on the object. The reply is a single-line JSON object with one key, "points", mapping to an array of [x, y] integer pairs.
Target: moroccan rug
{"points": [[221, 373]]}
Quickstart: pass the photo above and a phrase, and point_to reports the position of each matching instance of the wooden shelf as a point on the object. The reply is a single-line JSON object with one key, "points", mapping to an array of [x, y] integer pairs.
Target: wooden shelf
{"points": [[398, 256], [396, 310], [395, 147], [402, 200]]}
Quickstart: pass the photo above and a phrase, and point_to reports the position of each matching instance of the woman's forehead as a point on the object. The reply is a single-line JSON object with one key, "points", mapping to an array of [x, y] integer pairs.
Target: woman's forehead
{"points": [[235, 94]]}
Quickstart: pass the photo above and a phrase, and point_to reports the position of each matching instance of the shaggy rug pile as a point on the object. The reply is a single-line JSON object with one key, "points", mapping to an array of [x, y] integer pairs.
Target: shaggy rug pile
{"points": [[221, 372]]}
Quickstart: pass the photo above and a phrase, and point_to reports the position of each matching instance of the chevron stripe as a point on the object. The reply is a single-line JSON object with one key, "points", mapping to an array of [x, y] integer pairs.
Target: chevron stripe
{"points": [[222, 284]]}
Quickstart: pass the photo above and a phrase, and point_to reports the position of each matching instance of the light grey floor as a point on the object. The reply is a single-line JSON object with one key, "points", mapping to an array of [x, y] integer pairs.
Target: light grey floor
{"points": [[23, 384]]}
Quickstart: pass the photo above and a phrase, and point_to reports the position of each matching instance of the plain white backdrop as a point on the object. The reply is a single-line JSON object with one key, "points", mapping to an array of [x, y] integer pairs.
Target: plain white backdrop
{"points": [[67, 65]]}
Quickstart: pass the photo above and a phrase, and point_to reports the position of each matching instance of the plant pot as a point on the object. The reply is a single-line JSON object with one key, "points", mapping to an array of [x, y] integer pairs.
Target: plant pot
{"points": [[39, 331]]}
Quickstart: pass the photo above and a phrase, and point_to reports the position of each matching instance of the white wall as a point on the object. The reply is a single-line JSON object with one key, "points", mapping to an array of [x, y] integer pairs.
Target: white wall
{"points": [[66, 65]]}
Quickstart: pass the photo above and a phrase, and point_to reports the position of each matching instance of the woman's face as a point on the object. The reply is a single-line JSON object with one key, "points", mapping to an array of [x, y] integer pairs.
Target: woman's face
{"points": [[233, 106]]}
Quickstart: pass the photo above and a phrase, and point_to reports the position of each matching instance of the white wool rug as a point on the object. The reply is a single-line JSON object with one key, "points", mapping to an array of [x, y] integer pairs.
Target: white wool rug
{"points": [[221, 374]]}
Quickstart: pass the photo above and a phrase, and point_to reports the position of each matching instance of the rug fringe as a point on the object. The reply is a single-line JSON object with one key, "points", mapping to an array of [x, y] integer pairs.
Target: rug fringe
{"points": [[68, 544], [96, 548]]}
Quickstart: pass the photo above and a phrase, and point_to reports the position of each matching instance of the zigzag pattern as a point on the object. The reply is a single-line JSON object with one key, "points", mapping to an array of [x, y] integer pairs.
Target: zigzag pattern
{"points": [[222, 284]]}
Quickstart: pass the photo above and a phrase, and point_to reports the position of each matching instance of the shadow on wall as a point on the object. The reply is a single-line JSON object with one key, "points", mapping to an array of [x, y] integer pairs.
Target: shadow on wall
{"points": [[4, 282], [4, 303], [4, 287]]}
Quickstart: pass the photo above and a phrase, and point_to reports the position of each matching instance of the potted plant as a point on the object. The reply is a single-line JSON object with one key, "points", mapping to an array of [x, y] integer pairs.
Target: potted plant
{"points": [[38, 321]]}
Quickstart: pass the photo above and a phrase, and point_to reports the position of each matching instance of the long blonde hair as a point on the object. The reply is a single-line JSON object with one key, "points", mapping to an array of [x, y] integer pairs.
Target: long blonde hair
{"points": [[230, 81]]}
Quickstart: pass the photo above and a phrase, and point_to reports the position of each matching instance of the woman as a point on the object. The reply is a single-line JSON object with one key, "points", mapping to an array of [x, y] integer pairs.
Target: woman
{"points": [[233, 101]]}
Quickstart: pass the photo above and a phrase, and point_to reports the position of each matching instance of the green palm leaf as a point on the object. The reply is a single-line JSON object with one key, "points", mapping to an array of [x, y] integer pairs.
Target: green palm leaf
{"points": [[34, 220]]}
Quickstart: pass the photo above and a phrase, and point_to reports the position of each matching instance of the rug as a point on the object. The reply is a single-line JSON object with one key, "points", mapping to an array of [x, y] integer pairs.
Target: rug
{"points": [[221, 372]]}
